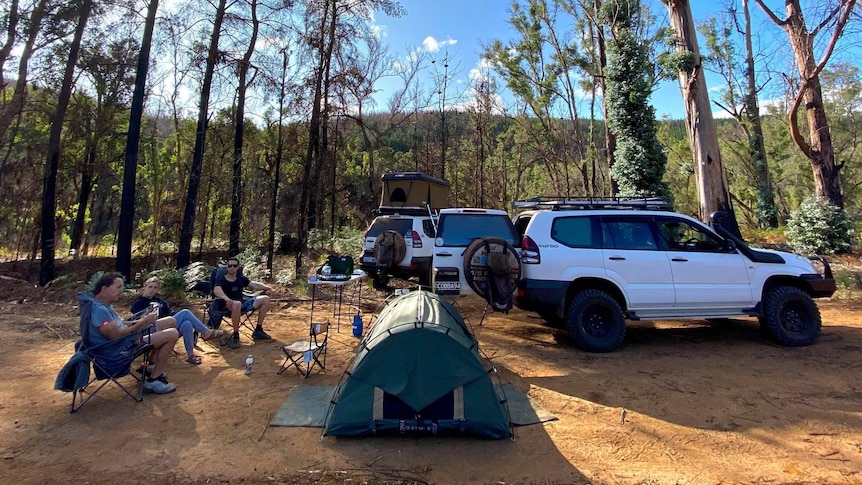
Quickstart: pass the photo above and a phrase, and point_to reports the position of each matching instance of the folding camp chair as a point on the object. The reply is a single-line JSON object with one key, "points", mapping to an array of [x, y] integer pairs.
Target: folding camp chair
{"points": [[215, 311], [306, 354], [108, 363]]}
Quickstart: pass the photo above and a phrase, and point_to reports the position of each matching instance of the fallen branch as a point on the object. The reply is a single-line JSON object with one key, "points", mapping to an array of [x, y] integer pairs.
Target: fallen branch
{"points": [[265, 425]]}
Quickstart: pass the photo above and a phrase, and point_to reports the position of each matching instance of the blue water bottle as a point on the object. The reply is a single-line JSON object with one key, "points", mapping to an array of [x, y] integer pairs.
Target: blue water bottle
{"points": [[357, 325]]}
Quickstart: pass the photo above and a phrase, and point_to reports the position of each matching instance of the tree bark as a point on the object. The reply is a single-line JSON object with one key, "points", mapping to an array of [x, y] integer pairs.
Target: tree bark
{"points": [[52, 164], [818, 148], [711, 179], [239, 129], [130, 166], [187, 230], [16, 104]]}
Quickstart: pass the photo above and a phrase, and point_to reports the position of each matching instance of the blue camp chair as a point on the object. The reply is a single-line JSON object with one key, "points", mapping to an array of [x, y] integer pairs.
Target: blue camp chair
{"points": [[109, 365]]}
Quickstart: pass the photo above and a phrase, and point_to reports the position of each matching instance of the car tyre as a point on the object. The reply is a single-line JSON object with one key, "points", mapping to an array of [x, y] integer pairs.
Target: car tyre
{"points": [[595, 321], [380, 281], [477, 274], [790, 317]]}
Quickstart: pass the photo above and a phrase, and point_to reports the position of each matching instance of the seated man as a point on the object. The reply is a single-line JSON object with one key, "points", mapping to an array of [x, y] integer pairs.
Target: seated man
{"points": [[111, 327], [229, 290]]}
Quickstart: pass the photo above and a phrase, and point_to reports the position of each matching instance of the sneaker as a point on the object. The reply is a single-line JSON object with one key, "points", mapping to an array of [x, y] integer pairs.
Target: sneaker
{"points": [[159, 385], [259, 334], [234, 341]]}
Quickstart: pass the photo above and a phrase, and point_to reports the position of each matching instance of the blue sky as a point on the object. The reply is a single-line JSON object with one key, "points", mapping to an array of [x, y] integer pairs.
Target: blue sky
{"points": [[461, 27]]}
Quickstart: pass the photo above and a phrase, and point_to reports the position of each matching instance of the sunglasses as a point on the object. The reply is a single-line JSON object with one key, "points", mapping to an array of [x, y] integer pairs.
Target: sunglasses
{"points": [[232, 265]]}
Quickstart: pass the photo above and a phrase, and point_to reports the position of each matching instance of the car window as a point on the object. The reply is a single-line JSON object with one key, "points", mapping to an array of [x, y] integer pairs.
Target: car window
{"points": [[462, 229], [401, 226], [574, 232], [679, 235], [428, 228], [521, 223], [628, 235]]}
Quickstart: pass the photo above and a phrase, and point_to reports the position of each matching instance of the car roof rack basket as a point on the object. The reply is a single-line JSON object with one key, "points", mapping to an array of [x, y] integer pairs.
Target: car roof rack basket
{"points": [[570, 203]]}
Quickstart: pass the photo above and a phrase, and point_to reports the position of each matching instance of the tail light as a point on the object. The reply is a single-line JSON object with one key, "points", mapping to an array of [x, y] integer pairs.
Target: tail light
{"points": [[417, 241], [530, 251]]}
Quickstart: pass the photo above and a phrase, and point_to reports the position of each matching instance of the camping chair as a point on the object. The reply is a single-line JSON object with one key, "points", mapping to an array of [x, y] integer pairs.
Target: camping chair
{"points": [[108, 364], [306, 354], [215, 312]]}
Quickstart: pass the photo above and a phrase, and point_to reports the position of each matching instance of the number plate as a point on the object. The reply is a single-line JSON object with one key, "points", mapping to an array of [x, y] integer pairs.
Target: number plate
{"points": [[447, 285], [369, 259]]}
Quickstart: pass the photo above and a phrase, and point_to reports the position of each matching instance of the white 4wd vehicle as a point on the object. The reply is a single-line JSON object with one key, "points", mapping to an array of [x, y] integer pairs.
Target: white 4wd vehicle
{"points": [[475, 252], [592, 268], [398, 245]]}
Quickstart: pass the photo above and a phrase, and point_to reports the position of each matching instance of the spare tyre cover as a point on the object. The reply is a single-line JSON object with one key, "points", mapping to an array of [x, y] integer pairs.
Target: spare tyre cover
{"points": [[389, 249]]}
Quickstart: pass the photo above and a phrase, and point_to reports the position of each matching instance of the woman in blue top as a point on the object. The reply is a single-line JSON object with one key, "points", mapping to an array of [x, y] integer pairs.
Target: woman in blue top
{"points": [[186, 321]]}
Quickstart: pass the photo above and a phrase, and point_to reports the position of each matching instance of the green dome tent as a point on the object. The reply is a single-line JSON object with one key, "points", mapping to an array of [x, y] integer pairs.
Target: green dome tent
{"points": [[418, 370]]}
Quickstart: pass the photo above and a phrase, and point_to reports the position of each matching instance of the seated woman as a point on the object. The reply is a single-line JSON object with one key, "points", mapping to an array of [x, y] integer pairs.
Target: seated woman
{"points": [[186, 321]]}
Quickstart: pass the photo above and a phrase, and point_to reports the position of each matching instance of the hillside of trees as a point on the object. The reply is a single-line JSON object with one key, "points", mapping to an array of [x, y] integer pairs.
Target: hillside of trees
{"points": [[257, 125]]}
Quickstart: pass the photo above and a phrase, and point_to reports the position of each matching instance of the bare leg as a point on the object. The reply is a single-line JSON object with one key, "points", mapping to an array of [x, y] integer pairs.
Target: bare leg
{"points": [[163, 343], [261, 303]]}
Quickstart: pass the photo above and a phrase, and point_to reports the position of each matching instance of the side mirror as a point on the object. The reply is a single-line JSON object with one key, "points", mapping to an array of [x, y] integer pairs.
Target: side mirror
{"points": [[729, 245]]}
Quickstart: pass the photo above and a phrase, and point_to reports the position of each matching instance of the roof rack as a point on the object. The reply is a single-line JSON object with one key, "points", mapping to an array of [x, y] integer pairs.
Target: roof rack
{"points": [[570, 203]]}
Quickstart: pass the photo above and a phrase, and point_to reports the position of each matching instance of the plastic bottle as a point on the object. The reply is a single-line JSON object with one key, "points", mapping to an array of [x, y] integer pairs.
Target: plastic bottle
{"points": [[357, 325], [248, 363]]}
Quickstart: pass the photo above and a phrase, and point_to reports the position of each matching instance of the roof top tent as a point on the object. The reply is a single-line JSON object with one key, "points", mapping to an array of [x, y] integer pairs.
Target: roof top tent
{"points": [[413, 191], [418, 370]]}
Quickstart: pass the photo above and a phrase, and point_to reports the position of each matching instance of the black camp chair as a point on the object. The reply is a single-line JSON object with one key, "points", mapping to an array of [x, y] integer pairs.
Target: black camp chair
{"points": [[109, 365], [305, 355], [215, 311]]}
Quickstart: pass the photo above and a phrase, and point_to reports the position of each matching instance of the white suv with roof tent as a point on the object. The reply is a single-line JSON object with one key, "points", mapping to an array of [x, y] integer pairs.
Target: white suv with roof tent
{"points": [[406, 240], [591, 265]]}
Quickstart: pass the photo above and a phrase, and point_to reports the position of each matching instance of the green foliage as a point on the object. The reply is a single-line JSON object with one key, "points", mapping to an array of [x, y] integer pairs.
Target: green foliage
{"points": [[819, 227], [345, 241], [253, 263], [173, 282], [91, 283], [286, 276], [639, 160]]}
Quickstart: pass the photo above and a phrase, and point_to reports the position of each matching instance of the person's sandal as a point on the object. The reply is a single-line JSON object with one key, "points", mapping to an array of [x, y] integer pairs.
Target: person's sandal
{"points": [[194, 360], [215, 334]]}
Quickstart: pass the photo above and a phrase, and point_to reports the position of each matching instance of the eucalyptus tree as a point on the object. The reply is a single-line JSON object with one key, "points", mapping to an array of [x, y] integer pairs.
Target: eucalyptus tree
{"points": [[328, 24], [639, 159], [818, 148], [243, 66], [130, 166], [10, 23], [47, 23], [539, 68], [191, 202], [711, 179], [740, 99], [107, 66], [49, 186], [364, 65]]}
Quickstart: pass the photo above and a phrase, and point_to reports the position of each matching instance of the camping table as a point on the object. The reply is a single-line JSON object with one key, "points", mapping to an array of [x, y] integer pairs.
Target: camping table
{"points": [[338, 286]]}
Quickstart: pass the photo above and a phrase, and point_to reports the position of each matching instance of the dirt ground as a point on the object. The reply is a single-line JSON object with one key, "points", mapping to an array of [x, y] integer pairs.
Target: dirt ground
{"points": [[680, 403]]}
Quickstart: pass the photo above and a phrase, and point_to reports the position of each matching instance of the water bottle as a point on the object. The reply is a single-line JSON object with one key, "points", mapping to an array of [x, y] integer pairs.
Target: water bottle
{"points": [[248, 362], [326, 271], [357, 325]]}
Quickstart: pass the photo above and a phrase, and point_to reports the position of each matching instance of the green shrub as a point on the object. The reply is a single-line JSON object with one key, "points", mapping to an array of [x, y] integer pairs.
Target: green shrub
{"points": [[819, 227], [173, 282]]}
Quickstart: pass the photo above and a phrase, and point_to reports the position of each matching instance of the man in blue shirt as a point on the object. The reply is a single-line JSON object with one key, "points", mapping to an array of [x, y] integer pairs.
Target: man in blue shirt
{"points": [[111, 327]]}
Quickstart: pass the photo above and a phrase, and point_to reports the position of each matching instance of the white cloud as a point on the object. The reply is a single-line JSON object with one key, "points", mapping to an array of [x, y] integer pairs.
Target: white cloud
{"points": [[433, 45]]}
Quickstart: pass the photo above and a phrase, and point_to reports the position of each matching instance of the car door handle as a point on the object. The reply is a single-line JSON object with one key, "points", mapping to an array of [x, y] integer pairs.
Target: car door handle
{"points": [[443, 254], [679, 260], [617, 258]]}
